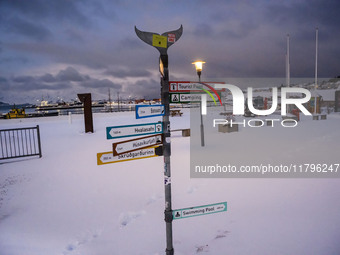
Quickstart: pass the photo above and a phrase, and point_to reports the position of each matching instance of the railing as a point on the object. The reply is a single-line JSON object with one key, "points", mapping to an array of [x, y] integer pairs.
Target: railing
{"points": [[20, 142]]}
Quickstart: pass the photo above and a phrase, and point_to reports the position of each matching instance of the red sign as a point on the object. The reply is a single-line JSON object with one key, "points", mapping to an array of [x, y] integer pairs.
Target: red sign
{"points": [[171, 38]]}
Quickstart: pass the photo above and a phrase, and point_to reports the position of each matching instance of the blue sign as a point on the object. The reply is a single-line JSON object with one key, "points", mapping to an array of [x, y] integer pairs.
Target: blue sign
{"points": [[134, 130], [146, 111]]}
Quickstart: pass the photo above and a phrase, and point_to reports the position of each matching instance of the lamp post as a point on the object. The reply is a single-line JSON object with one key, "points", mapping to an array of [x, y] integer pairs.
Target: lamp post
{"points": [[199, 66], [316, 69]]}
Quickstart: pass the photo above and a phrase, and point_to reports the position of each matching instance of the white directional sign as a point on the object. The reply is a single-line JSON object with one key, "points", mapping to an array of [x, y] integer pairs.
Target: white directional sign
{"points": [[146, 111], [108, 158], [134, 130], [199, 210], [188, 86], [136, 144]]}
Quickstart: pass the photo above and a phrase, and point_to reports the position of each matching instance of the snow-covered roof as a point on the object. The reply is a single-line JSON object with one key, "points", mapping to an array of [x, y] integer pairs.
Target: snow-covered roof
{"points": [[326, 94]]}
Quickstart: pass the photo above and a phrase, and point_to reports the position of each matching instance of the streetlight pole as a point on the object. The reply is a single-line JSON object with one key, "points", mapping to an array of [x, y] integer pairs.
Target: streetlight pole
{"points": [[316, 69], [199, 67]]}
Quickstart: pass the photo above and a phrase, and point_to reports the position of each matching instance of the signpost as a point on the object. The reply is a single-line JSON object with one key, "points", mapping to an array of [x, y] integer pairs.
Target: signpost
{"points": [[158, 141], [162, 43], [146, 111], [136, 144], [108, 158], [134, 130], [199, 210]]}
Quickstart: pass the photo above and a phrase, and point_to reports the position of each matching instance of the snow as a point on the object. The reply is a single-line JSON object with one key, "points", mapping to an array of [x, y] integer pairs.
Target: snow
{"points": [[326, 94], [65, 204]]}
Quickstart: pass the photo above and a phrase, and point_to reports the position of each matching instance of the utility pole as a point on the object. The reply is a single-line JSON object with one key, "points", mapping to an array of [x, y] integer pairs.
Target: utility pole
{"points": [[316, 69], [110, 102], [118, 101], [288, 69]]}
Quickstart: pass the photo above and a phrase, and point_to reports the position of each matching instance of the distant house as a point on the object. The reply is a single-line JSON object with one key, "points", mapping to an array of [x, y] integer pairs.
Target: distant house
{"points": [[138, 101]]}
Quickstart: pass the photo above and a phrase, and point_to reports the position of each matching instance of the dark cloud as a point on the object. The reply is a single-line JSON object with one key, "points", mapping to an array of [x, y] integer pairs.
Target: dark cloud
{"points": [[146, 88], [41, 10], [3, 79], [27, 28], [247, 26], [130, 43], [121, 72], [74, 35], [96, 83], [203, 30], [47, 78], [310, 13], [235, 38], [36, 86], [69, 54], [71, 74], [18, 86], [4, 85], [67, 81], [23, 79]]}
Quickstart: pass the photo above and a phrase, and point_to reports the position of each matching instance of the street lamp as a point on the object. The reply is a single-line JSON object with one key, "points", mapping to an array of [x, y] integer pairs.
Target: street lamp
{"points": [[199, 65]]}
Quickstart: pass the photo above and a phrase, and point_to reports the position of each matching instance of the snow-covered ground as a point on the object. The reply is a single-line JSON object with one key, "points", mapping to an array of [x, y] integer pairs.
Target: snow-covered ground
{"points": [[65, 204]]}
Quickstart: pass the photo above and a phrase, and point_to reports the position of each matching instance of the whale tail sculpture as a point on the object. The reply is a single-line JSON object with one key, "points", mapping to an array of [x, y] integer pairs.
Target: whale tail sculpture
{"points": [[161, 42]]}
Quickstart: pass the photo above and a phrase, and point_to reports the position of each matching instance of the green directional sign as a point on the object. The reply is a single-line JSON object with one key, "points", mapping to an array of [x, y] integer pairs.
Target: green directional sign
{"points": [[185, 98], [199, 210]]}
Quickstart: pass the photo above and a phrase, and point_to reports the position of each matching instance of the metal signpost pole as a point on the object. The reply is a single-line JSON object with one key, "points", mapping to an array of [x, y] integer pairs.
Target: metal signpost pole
{"points": [[162, 43], [202, 126], [167, 153]]}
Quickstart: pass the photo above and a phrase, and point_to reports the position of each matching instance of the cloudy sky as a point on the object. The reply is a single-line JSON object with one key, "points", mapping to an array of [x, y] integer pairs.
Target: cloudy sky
{"points": [[58, 48]]}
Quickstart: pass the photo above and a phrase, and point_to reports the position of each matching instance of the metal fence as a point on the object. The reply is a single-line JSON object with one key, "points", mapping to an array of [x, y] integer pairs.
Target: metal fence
{"points": [[20, 142]]}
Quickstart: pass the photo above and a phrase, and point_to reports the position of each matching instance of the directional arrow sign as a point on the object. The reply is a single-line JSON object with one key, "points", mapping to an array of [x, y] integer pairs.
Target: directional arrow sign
{"points": [[199, 210], [146, 111], [136, 144], [189, 86], [134, 130], [108, 158], [189, 98]]}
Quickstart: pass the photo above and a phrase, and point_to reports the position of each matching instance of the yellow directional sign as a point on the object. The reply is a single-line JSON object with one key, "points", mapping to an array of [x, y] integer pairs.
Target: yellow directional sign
{"points": [[159, 41], [108, 158]]}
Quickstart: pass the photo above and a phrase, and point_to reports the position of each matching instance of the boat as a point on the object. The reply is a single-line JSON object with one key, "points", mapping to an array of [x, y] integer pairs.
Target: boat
{"points": [[16, 113]]}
